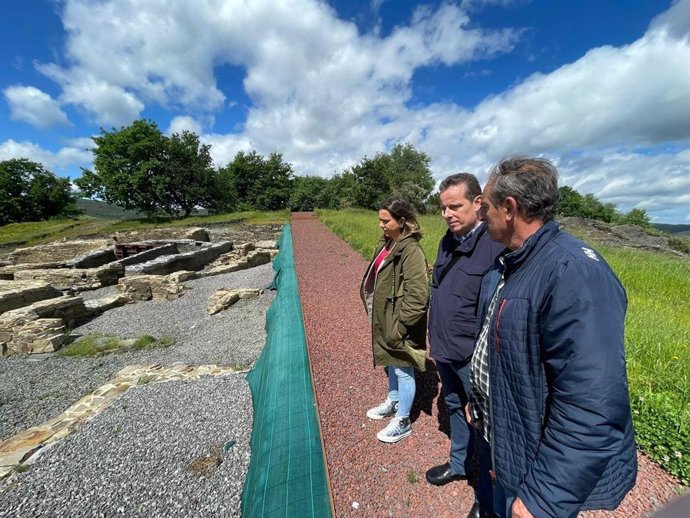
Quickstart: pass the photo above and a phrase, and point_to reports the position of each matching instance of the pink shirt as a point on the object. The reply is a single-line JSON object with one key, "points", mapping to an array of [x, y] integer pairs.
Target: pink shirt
{"points": [[380, 258]]}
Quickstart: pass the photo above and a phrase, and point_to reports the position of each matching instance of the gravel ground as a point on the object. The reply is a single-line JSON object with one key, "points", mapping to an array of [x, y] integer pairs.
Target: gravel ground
{"points": [[133, 459], [34, 390], [369, 478], [137, 457]]}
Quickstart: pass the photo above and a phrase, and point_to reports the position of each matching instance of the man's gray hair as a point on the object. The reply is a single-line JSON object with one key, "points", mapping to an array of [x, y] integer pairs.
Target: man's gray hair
{"points": [[532, 182], [472, 188]]}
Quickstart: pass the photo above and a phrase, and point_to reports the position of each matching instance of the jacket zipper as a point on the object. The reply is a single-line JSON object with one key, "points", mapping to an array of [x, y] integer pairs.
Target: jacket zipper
{"points": [[491, 406], [497, 344]]}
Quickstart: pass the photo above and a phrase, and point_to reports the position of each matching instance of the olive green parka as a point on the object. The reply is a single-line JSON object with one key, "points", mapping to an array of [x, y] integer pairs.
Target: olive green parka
{"points": [[396, 300]]}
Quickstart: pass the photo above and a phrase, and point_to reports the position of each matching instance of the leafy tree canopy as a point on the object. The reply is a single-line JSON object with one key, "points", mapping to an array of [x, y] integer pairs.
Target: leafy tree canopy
{"points": [[139, 168], [189, 167], [29, 192], [572, 203], [404, 171], [253, 181], [309, 193]]}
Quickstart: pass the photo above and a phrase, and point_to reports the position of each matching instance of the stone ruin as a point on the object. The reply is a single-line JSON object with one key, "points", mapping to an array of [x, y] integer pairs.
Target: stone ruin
{"points": [[40, 285]]}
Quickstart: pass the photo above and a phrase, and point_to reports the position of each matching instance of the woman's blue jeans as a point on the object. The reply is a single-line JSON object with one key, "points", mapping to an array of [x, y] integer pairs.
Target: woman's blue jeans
{"points": [[401, 388]]}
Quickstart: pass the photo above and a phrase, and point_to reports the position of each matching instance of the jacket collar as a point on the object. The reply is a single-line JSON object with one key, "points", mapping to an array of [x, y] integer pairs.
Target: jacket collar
{"points": [[397, 248], [468, 244], [529, 248], [402, 242]]}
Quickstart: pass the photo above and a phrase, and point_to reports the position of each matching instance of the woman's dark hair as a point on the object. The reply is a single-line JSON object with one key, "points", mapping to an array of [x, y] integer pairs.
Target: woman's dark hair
{"points": [[400, 208]]}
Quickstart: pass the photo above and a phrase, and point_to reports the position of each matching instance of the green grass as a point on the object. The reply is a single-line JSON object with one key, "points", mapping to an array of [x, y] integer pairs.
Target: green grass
{"points": [[97, 344], [657, 329], [33, 233], [359, 228], [412, 476]]}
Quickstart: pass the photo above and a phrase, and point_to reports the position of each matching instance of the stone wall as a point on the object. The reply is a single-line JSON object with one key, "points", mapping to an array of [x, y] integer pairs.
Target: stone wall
{"points": [[76, 279], [92, 259], [17, 294], [246, 255], [139, 288], [193, 261], [61, 251], [148, 255], [39, 327], [167, 234]]}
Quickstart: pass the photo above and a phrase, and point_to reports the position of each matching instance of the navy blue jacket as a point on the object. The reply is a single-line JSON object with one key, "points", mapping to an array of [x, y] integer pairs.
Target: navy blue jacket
{"points": [[453, 309], [563, 438]]}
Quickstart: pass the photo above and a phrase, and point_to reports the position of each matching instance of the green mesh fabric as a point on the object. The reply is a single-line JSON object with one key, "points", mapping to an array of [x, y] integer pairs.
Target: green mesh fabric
{"points": [[287, 474]]}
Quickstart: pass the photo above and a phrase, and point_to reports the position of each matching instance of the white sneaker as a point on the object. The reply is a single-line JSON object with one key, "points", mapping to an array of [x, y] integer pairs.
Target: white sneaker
{"points": [[396, 430], [385, 409]]}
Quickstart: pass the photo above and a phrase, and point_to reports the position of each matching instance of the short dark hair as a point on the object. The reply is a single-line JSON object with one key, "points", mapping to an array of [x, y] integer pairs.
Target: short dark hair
{"points": [[401, 208], [472, 188], [532, 182]]}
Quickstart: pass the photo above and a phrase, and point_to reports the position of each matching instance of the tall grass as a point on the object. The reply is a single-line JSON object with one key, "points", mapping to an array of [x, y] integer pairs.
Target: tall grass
{"points": [[359, 228], [657, 330]]}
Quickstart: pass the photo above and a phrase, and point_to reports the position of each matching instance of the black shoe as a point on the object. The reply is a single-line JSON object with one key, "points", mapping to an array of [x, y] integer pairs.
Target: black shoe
{"points": [[439, 475], [474, 512]]}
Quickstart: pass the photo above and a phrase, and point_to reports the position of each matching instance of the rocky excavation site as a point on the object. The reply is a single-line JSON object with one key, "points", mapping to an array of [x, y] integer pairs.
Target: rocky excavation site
{"points": [[186, 306]]}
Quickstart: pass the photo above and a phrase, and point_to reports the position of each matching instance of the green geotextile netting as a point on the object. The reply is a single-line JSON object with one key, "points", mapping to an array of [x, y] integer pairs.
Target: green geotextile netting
{"points": [[287, 473]]}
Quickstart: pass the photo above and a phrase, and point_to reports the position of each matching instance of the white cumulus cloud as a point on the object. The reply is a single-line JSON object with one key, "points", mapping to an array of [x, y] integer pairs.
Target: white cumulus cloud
{"points": [[31, 105], [74, 153], [325, 94]]}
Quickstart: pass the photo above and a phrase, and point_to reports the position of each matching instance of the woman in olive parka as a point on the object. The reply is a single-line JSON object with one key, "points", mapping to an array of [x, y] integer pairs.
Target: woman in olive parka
{"points": [[395, 292]]}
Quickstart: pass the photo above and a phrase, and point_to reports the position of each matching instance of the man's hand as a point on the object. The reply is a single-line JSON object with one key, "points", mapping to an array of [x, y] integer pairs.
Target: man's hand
{"points": [[476, 423], [519, 510]]}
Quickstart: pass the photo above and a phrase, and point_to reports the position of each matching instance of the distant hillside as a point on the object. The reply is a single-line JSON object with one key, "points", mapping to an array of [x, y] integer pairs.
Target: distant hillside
{"points": [[683, 230], [100, 209], [628, 236]]}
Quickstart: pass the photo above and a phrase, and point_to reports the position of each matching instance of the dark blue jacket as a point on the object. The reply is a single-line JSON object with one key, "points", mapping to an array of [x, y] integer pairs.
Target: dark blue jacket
{"points": [[563, 438], [453, 309]]}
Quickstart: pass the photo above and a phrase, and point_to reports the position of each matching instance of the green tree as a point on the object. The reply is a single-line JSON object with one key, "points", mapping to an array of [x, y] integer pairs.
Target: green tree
{"points": [[272, 188], [243, 172], [139, 168], [253, 182], [404, 171], [409, 174], [309, 193], [341, 191], [189, 169], [130, 169], [372, 181], [432, 205], [225, 197], [592, 208], [29, 192], [569, 201], [12, 190], [637, 217], [572, 203]]}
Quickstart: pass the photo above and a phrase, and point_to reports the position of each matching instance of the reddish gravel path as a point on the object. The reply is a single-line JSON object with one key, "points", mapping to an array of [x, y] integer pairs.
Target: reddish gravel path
{"points": [[369, 478]]}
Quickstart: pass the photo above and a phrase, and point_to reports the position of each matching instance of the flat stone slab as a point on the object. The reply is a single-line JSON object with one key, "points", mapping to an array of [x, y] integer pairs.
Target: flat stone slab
{"points": [[17, 294], [224, 298], [57, 252]]}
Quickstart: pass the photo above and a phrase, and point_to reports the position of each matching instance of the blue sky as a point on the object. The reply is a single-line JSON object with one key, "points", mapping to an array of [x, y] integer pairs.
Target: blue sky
{"points": [[602, 88]]}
